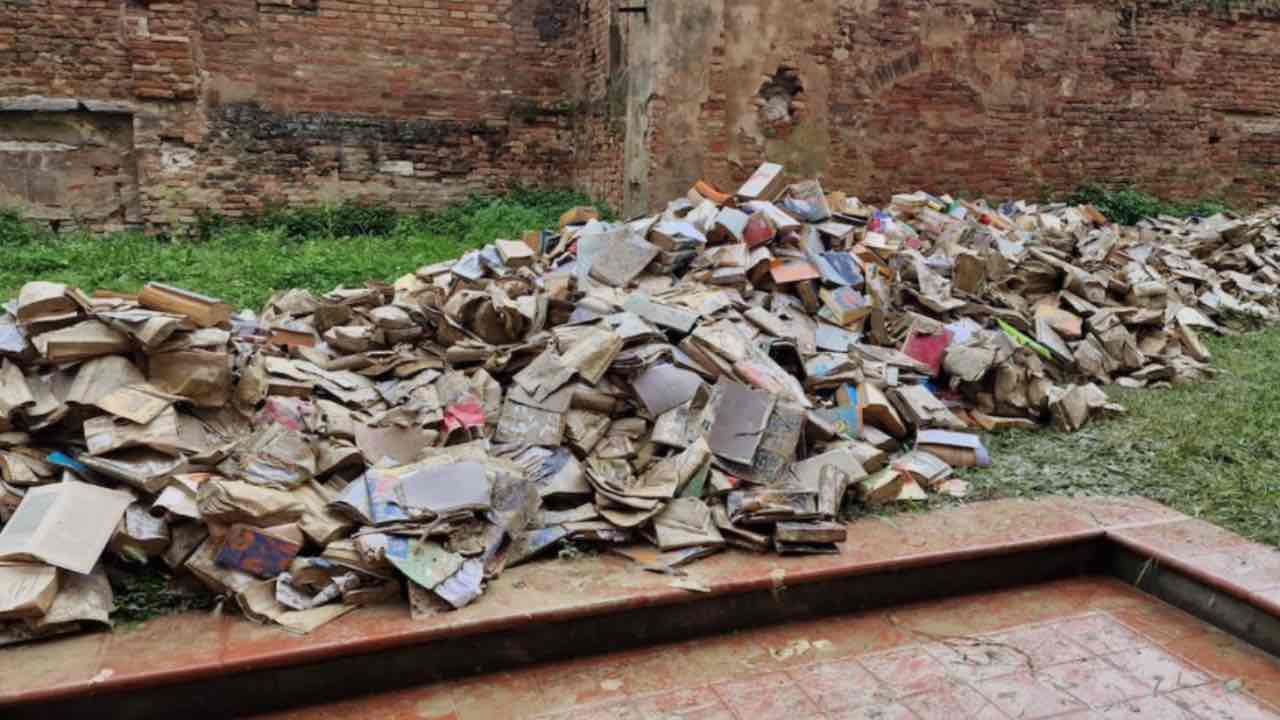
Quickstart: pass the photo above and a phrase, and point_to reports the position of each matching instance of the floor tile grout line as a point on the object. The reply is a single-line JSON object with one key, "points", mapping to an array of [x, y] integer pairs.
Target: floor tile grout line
{"points": [[1122, 701], [1033, 671], [725, 701], [992, 702], [1101, 657], [803, 690], [1210, 678], [1032, 668], [1166, 646], [1149, 640], [1037, 674], [1250, 696]]}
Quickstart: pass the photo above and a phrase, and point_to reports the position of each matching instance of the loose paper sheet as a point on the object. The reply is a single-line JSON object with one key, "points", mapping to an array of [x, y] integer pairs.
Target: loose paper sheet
{"points": [[66, 524]]}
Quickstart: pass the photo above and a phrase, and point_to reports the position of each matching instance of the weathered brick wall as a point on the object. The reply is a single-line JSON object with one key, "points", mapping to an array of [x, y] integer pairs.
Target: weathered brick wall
{"points": [[66, 48], [240, 103], [998, 97], [600, 105], [414, 103], [234, 104]]}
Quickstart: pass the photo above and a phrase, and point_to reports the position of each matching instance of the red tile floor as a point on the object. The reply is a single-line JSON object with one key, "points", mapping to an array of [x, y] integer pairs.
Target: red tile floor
{"points": [[1083, 649]]}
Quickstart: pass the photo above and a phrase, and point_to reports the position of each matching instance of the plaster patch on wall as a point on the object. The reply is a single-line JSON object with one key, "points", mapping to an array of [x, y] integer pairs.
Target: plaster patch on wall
{"points": [[1254, 123], [69, 166], [403, 168], [176, 156], [27, 146], [781, 58], [38, 103]]}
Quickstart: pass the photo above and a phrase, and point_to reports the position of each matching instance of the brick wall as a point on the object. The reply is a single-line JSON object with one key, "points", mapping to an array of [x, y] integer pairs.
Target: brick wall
{"points": [[415, 103], [1001, 97], [63, 48], [601, 99], [239, 103]]}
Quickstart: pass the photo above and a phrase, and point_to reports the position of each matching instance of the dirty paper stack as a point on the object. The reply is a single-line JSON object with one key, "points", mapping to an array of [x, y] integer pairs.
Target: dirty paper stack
{"points": [[730, 372]]}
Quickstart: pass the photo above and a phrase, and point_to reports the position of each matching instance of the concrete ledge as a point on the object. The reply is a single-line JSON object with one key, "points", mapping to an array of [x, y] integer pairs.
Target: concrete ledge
{"points": [[368, 669], [1217, 601], [222, 666]]}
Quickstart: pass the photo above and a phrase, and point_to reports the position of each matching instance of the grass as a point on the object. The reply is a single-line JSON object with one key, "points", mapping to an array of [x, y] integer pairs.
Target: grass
{"points": [[1129, 205], [1209, 449], [146, 591], [244, 262]]}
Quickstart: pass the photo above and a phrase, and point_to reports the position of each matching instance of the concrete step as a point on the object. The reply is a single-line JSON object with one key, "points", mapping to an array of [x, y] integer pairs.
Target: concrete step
{"points": [[222, 666]]}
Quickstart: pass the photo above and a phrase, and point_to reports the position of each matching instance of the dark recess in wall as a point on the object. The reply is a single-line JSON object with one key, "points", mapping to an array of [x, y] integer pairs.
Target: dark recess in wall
{"points": [[552, 17]]}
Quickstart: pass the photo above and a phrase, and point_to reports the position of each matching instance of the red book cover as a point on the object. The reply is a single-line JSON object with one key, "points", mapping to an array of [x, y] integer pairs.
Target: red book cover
{"points": [[928, 349]]}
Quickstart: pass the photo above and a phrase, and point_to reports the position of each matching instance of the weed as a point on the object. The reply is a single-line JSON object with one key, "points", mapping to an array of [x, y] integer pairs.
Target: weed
{"points": [[145, 591], [1127, 206], [14, 230]]}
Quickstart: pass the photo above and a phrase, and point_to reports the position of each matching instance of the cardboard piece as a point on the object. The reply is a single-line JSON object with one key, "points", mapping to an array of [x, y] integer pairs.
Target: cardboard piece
{"points": [[140, 535], [201, 376], [810, 532], [105, 434], [140, 403], [619, 262], [922, 409], [729, 226], [49, 302], [84, 340], [82, 598], [202, 310], [392, 445], [257, 600], [142, 468], [924, 468], [876, 410], [26, 591], [231, 501]]}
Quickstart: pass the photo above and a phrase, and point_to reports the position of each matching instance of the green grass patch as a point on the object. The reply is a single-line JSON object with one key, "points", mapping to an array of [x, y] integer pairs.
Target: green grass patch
{"points": [[243, 262], [1129, 205], [143, 592]]}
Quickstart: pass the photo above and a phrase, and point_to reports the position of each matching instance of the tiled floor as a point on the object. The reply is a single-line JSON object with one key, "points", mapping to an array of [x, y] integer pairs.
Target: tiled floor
{"points": [[1088, 649]]}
